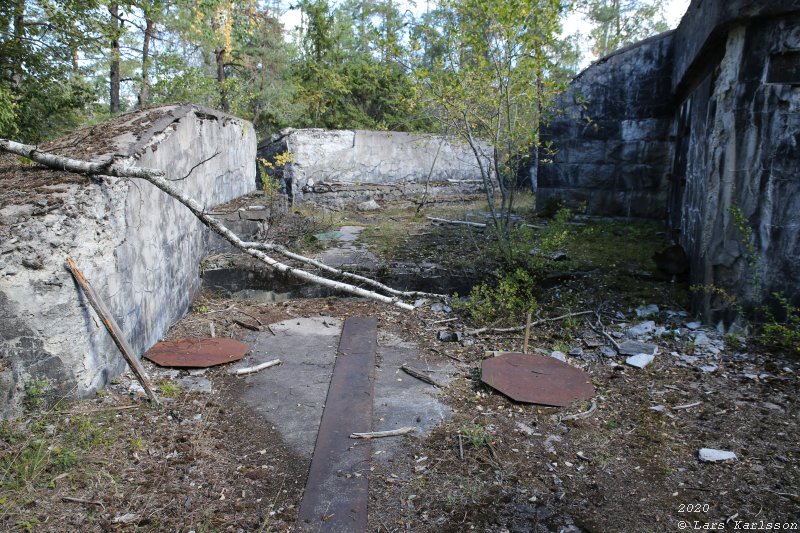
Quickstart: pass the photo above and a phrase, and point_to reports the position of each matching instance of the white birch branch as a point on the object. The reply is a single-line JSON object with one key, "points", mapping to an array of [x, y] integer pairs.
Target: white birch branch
{"points": [[381, 434], [348, 275], [256, 368], [155, 176]]}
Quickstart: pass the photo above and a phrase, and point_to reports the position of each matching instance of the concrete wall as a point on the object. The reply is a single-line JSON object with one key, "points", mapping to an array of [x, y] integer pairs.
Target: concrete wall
{"points": [[722, 94], [139, 248], [390, 164], [612, 136], [740, 142]]}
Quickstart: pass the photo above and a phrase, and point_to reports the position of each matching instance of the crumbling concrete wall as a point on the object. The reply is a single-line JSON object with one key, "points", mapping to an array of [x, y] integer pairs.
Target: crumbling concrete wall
{"points": [[741, 144], [723, 145], [348, 166], [138, 247], [611, 137]]}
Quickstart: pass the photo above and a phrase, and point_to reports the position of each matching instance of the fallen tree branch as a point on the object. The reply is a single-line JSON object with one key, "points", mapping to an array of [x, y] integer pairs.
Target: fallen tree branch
{"points": [[578, 416], [342, 273], [479, 225], [420, 376], [522, 328], [599, 328], [256, 368], [245, 325], [381, 434], [456, 222], [156, 177]]}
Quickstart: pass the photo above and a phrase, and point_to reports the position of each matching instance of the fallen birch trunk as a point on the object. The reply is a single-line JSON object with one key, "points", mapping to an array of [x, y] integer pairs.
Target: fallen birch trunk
{"points": [[256, 368], [156, 177], [381, 434], [348, 275]]}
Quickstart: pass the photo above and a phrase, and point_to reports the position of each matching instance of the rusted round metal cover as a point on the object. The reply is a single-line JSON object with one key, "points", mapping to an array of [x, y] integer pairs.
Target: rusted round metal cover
{"points": [[536, 379], [197, 352]]}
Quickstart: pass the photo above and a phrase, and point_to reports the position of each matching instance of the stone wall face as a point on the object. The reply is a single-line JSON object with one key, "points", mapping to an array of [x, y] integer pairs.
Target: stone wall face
{"points": [[742, 145], [717, 135], [612, 141], [375, 162], [139, 248]]}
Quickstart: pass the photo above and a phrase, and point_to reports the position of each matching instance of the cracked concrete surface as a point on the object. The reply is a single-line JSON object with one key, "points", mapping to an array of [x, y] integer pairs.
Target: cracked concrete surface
{"points": [[291, 396]]}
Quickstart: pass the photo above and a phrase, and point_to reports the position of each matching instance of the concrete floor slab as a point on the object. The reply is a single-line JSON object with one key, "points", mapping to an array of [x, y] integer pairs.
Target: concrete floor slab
{"points": [[292, 395]]}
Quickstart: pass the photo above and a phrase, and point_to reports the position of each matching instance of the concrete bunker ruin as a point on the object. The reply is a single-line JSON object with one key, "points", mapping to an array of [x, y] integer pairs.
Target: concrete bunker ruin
{"points": [[699, 126], [139, 247], [338, 167]]}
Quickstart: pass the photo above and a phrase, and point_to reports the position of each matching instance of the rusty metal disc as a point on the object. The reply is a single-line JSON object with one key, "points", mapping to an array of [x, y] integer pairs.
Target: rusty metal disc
{"points": [[536, 379], [196, 352]]}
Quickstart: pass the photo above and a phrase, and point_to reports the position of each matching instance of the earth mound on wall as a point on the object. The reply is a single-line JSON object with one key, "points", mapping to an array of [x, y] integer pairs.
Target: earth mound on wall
{"points": [[137, 246]]}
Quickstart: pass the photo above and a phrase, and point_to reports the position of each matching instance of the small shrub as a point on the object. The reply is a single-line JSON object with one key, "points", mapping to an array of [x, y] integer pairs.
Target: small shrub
{"points": [[552, 206], [506, 300], [169, 389], [475, 434], [782, 334], [35, 390]]}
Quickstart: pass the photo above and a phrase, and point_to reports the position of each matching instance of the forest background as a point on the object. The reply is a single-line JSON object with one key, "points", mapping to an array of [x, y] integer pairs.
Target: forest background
{"points": [[368, 64]]}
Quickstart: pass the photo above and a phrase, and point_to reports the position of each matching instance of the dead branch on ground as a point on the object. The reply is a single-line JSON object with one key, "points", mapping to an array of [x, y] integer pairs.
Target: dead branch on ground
{"points": [[522, 328], [381, 434]]}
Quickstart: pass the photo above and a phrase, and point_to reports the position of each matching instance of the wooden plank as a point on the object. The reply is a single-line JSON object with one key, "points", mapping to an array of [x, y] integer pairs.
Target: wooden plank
{"points": [[113, 329]]}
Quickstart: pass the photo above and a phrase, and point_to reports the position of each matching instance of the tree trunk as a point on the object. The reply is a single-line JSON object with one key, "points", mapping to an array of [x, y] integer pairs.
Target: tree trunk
{"points": [[19, 48], [144, 91], [113, 10], [219, 54]]}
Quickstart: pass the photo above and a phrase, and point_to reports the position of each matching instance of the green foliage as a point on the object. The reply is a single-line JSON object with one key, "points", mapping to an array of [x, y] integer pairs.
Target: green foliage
{"points": [[476, 435], [618, 23], [169, 389], [486, 72], [523, 262], [782, 334], [505, 300], [35, 390]]}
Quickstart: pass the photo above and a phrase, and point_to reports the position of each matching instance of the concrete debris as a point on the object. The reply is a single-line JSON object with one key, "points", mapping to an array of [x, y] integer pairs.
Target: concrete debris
{"points": [[701, 339], [561, 356], [640, 360], [658, 408], [576, 352], [608, 351], [646, 310], [369, 205], [694, 325], [441, 308], [710, 455], [708, 368], [549, 443], [642, 329], [525, 429], [449, 336], [631, 347]]}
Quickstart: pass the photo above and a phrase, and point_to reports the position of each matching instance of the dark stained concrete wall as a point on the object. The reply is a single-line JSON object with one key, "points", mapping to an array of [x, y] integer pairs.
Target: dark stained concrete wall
{"points": [[742, 150], [723, 137], [612, 139]]}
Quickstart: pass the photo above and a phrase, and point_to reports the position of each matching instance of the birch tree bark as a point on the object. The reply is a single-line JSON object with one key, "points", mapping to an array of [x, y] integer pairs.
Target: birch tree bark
{"points": [[156, 177]]}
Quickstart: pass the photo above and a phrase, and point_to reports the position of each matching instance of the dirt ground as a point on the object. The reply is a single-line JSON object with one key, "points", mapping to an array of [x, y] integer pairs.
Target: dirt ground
{"points": [[626, 461]]}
